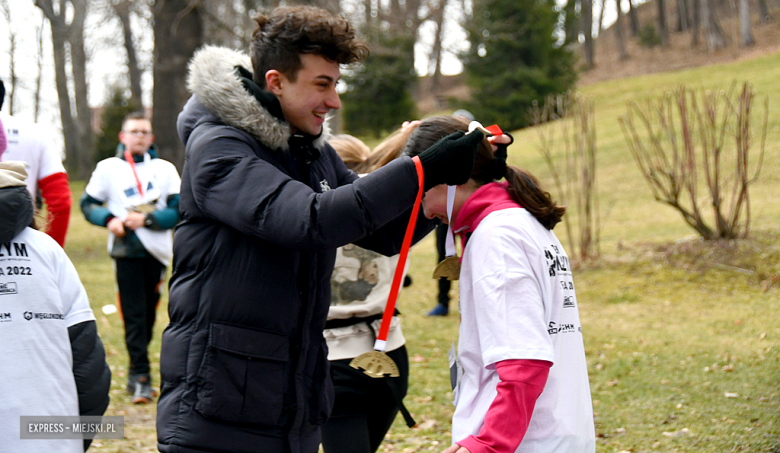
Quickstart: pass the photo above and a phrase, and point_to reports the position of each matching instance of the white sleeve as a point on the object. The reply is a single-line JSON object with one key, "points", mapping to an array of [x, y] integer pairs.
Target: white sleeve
{"points": [[51, 157], [173, 183], [74, 297], [97, 187], [510, 310]]}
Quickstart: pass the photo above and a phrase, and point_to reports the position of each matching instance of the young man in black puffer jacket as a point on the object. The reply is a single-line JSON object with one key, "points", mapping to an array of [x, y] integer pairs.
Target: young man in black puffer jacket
{"points": [[265, 202]]}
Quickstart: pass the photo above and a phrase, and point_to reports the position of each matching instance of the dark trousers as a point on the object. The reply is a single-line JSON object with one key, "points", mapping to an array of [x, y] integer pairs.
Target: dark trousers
{"points": [[139, 281], [444, 284], [364, 408]]}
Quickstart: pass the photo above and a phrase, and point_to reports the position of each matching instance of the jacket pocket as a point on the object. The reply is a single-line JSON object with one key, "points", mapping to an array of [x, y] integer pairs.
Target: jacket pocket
{"points": [[322, 400], [242, 376]]}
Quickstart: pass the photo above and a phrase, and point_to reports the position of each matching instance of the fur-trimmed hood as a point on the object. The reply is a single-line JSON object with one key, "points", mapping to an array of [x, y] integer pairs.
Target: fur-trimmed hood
{"points": [[213, 80]]}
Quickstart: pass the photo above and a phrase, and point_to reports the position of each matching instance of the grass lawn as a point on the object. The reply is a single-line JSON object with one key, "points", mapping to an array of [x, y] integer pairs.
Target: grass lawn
{"points": [[681, 336]]}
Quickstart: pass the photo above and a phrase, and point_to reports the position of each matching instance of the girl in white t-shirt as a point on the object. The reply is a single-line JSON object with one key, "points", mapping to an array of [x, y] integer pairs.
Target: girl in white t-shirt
{"points": [[522, 380]]}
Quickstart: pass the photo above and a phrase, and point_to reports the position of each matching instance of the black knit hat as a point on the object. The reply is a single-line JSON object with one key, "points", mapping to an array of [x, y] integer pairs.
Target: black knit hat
{"points": [[2, 93]]}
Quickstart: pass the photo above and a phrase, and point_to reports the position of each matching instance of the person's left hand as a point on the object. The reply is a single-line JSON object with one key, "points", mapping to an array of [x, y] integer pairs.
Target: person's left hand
{"points": [[410, 124], [456, 449], [503, 139], [134, 220]]}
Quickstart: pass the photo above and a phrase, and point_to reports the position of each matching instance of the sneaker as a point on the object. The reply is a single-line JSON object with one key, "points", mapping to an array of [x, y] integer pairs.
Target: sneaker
{"points": [[439, 310], [131, 381], [143, 391]]}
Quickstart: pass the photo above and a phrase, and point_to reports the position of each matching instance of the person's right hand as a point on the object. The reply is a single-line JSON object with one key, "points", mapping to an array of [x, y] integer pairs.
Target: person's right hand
{"points": [[451, 159], [116, 226]]}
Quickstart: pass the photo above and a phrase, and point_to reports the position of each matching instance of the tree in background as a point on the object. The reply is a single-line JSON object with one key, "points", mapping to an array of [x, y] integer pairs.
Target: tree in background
{"points": [[115, 110], [514, 59], [566, 127], [12, 80], [67, 34], [378, 97], [178, 32], [745, 33], [663, 30], [691, 141], [713, 34], [621, 41], [586, 27], [123, 10]]}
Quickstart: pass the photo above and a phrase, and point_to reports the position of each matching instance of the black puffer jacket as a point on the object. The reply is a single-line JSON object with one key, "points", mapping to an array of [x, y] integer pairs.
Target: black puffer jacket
{"points": [[244, 364]]}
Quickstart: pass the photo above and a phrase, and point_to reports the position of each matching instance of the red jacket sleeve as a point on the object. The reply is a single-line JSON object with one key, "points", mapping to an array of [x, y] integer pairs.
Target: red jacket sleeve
{"points": [[56, 191], [508, 417]]}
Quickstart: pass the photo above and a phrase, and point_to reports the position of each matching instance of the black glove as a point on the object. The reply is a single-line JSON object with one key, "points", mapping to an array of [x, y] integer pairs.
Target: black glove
{"points": [[451, 159]]}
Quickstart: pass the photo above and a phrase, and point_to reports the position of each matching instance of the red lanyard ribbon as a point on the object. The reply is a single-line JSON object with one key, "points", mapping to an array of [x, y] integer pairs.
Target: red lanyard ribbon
{"points": [[129, 159], [381, 339]]}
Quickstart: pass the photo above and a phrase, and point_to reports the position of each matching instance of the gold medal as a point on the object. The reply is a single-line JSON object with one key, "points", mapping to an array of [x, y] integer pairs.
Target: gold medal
{"points": [[375, 364], [449, 268], [145, 208]]}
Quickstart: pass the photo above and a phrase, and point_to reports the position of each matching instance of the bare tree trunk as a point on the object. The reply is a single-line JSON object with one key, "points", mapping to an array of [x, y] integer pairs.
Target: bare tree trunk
{"points": [[78, 58], [601, 17], [437, 47], [404, 18], [39, 67], [662, 29], [745, 33], [122, 10], [633, 19], [587, 31], [12, 78], [696, 22], [76, 127], [367, 11], [682, 16], [178, 32], [621, 43], [709, 24], [764, 11]]}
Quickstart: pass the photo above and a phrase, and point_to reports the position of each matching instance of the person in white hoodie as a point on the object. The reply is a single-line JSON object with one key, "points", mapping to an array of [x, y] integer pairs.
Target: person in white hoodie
{"points": [[54, 363]]}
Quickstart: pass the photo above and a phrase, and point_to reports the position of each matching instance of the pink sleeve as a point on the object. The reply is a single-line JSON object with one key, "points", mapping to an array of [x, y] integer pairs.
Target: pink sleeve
{"points": [[507, 419]]}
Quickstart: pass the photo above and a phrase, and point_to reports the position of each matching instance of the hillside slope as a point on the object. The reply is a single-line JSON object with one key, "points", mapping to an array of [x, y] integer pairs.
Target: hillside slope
{"points": [[626, 202], [679, 54]]}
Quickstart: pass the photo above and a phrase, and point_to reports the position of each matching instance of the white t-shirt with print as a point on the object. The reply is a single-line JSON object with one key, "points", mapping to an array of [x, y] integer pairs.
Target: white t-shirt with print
{"points": [[41, 295], [114, 183], [517, 301], [360, 286], [31, 143]]}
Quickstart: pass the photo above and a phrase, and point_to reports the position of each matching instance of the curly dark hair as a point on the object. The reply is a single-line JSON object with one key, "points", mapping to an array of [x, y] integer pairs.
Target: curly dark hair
{"points": [[287, 32]]}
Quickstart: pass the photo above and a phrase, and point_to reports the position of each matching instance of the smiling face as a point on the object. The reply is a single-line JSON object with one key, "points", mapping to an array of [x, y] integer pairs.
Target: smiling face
{"points": [[306, 100]]}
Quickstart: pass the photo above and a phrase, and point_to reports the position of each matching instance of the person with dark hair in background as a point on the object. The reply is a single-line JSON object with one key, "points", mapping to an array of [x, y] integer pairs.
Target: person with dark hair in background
{"points": [[520, 378], [31, 143], [141, 196], [54, 363], [265, 202]]}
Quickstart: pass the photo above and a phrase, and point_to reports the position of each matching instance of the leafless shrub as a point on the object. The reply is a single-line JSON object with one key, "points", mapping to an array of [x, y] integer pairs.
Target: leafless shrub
{"points": [[696, 141], [566, 123]]}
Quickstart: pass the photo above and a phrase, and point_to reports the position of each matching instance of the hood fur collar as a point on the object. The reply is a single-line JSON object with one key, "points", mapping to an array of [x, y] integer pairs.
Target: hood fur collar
{"points": [[212, 79]]}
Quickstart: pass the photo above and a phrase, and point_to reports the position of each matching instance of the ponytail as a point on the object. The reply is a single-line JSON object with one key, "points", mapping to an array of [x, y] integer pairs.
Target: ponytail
{"points": [[525, 189], [491, 166]]}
